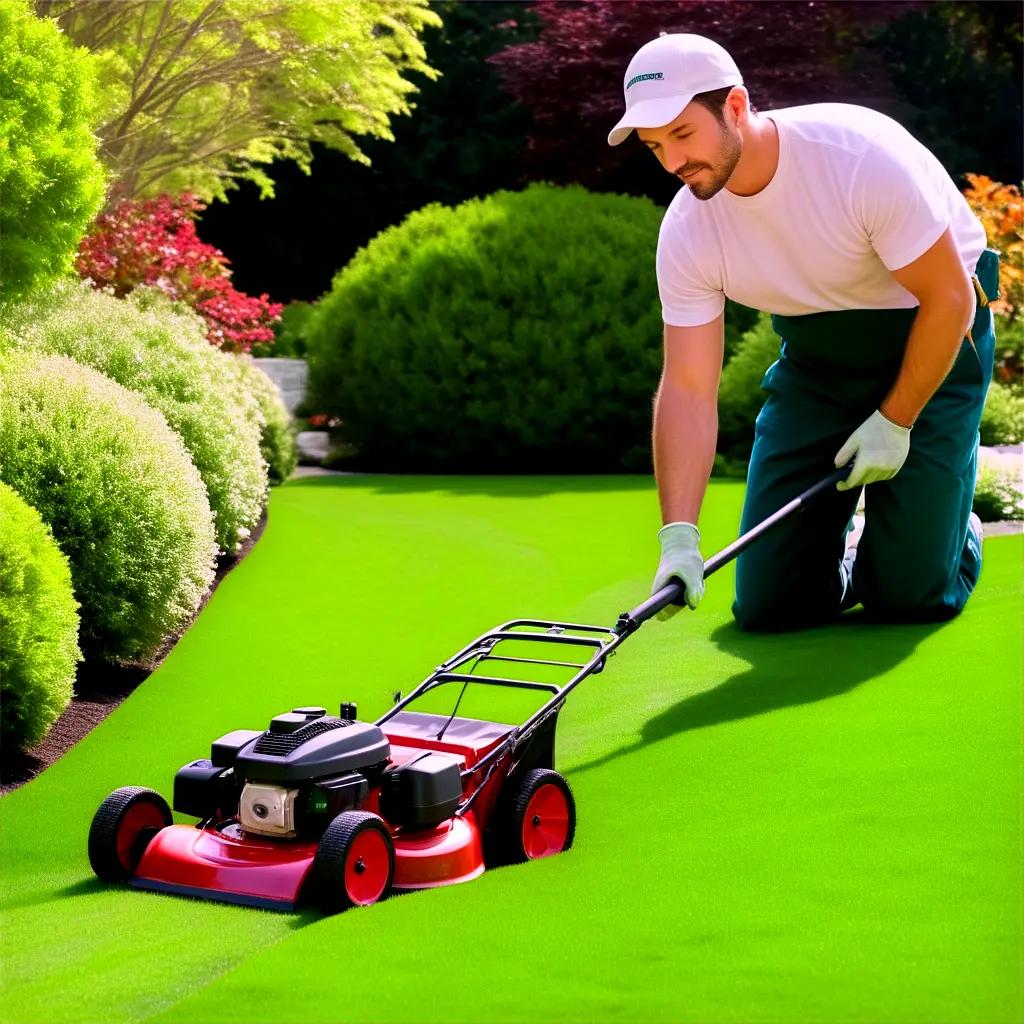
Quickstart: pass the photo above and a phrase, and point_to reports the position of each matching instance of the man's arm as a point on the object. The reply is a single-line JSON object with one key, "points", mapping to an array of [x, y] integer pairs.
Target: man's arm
{"points": [[880, 445], [686, 417], [939, 282]]}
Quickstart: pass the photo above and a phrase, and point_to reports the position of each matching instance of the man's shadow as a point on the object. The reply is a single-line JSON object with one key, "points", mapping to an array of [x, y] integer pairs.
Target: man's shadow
{"points": [[786, 669]]}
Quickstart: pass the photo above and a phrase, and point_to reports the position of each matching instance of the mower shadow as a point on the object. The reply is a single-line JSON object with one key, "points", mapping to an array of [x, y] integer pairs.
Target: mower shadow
{"points": [[786, 669]]}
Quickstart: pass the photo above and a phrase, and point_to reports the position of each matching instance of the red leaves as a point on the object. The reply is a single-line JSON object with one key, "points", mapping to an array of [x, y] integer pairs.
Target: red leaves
{"points": [[154, 242]]}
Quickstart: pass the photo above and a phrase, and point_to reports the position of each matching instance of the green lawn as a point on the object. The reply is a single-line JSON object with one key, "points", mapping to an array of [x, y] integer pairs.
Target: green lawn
{"points": [[823, 826]]}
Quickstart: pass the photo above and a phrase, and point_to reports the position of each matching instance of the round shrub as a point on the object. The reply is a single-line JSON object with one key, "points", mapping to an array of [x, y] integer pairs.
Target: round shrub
{"points": [[38, 623], [277, 432], [149, 345], [517, 332], [1002, 419], [739, 394], [51, 180], [289, 333], [997, 495], [116, 486]]}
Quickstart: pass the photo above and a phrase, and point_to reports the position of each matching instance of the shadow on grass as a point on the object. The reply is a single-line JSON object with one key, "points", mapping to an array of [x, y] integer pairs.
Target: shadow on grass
{"points": [[526, 486], [786, 669]]}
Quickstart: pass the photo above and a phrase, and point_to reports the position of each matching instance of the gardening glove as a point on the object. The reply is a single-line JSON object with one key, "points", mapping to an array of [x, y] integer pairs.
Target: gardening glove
{"points": [[880, 447], [680, 558]]}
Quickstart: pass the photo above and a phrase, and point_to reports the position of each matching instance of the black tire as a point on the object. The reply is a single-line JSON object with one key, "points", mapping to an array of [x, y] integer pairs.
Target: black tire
{"points": [[122, 829], [336, 881], [517, 840]]}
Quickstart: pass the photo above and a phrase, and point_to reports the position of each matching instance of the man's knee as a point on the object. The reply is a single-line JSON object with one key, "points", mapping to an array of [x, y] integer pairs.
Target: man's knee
{"points": [[767, 608]]}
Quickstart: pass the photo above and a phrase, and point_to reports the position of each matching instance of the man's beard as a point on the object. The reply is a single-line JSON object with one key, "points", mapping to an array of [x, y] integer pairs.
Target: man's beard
{"points": [[711, 180]]}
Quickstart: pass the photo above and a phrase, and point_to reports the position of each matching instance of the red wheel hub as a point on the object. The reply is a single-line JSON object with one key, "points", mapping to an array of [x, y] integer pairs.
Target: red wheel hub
{"points": [[138, 818], [366, 867], [546, 822]]}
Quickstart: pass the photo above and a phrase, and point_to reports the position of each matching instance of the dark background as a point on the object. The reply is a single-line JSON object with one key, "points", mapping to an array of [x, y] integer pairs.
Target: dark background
{"points": [[529, 91]]}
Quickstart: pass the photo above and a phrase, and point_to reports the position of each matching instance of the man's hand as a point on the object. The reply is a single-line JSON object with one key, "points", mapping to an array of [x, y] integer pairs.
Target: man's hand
{"points": [[680, 558], [880, 447]]}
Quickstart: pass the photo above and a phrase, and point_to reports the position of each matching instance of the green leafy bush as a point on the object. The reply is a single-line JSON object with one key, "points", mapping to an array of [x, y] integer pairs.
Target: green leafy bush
{"points": [[997, 495], [289, 333], [38, 623], [739, 394], [50, 178], [517, 332], [153, 346], [277, 432], [116, 486], [1002, 419]]}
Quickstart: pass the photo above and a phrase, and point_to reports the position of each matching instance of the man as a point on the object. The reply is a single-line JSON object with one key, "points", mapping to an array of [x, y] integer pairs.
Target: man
{"points": [[835, 220]]}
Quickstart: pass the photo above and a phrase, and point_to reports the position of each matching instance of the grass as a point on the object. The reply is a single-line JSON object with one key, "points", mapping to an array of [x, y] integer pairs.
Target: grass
{"points": [[821, 826]]}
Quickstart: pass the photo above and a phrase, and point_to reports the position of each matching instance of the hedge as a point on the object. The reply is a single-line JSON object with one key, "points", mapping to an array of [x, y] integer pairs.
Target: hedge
{"points": [[147, 344], [519, 332], [38, 623], [116, 486]]}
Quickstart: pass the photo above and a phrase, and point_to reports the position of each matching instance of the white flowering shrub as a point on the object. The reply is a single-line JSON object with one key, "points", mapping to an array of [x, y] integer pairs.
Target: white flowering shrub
{"points": [[277, 430], [38, 623], [148, 344], [118, 489]]}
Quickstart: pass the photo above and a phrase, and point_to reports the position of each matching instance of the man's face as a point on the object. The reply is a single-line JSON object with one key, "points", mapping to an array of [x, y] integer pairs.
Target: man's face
{"points": [[695, 144]]}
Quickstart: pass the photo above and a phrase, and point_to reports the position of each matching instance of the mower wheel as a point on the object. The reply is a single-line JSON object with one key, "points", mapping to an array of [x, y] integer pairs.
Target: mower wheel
{"points": [[122, 829], [537, 817], [354, 863]]}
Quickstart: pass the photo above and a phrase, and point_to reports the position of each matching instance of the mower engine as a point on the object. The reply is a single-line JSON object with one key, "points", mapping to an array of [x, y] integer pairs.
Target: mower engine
{"points": [[289, 780]]}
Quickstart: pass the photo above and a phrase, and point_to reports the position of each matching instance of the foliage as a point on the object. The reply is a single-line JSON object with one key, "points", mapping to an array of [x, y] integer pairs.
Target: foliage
{"points": [[116, 486], [277, 432], [146, 345], [1000, 210], [200, 94], [154, 242], [51, 181], [739, 394], [997, 496], [289, 333], [517, 332], [956, 71], [39, 625], [570, 78], [467, 139], [1002, 420], [1009, 362]]}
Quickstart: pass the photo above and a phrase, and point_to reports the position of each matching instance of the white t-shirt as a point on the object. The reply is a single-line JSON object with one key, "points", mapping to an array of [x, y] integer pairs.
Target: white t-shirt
{"points": [[854, 196]]}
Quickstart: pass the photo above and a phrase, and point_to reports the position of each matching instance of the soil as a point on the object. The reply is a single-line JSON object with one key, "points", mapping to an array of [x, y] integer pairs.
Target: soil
{"points": [[99, 688]]}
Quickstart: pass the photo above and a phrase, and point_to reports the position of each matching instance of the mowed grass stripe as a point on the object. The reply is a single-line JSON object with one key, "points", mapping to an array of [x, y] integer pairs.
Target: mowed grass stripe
{"points": [[816, 826]]}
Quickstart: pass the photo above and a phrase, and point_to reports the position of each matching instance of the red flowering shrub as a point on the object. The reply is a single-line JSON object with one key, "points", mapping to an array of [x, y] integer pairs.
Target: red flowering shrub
{"points": [[154, 242]]}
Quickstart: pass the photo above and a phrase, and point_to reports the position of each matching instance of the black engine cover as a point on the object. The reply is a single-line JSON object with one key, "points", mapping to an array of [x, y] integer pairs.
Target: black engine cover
{"points": [[323, 746]]}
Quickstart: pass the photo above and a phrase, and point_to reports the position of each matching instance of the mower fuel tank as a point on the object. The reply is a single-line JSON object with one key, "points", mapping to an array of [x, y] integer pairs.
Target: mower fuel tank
{"points": [[224, 751], [202, 788], [296, 749], [423, 791]]}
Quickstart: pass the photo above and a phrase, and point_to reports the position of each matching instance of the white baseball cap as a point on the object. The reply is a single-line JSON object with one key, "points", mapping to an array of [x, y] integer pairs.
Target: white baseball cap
{"points": [[665, 74]]}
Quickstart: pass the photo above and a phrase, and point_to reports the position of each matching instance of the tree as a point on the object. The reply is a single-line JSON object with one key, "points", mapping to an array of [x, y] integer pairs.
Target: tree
{"points": [[466, 139], [200, 94], [51, 182], [790, 52]]}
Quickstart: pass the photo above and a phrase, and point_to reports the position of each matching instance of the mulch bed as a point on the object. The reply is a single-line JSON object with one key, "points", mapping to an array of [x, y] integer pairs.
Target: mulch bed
{"points": [[99, 688]]}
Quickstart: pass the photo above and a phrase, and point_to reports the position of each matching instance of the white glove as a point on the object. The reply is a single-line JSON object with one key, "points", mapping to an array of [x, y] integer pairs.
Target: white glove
{"points": [[880, 447], [680, 558]]}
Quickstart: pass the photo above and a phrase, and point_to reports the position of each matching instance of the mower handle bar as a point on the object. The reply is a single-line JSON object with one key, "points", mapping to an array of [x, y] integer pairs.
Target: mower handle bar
{"points": [[602, 645], [672, 592]]}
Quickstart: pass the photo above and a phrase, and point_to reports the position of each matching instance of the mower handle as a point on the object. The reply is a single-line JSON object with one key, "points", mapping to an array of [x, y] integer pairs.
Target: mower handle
{"points": [[672, 592]]}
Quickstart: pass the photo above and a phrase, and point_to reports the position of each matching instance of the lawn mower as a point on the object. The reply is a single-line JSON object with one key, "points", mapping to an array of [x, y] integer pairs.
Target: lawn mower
{"points": [[329, 811]]}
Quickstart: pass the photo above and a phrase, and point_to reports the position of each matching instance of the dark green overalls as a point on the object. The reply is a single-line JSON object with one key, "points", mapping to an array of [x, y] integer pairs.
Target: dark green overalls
{"points": [[916, 560]]}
